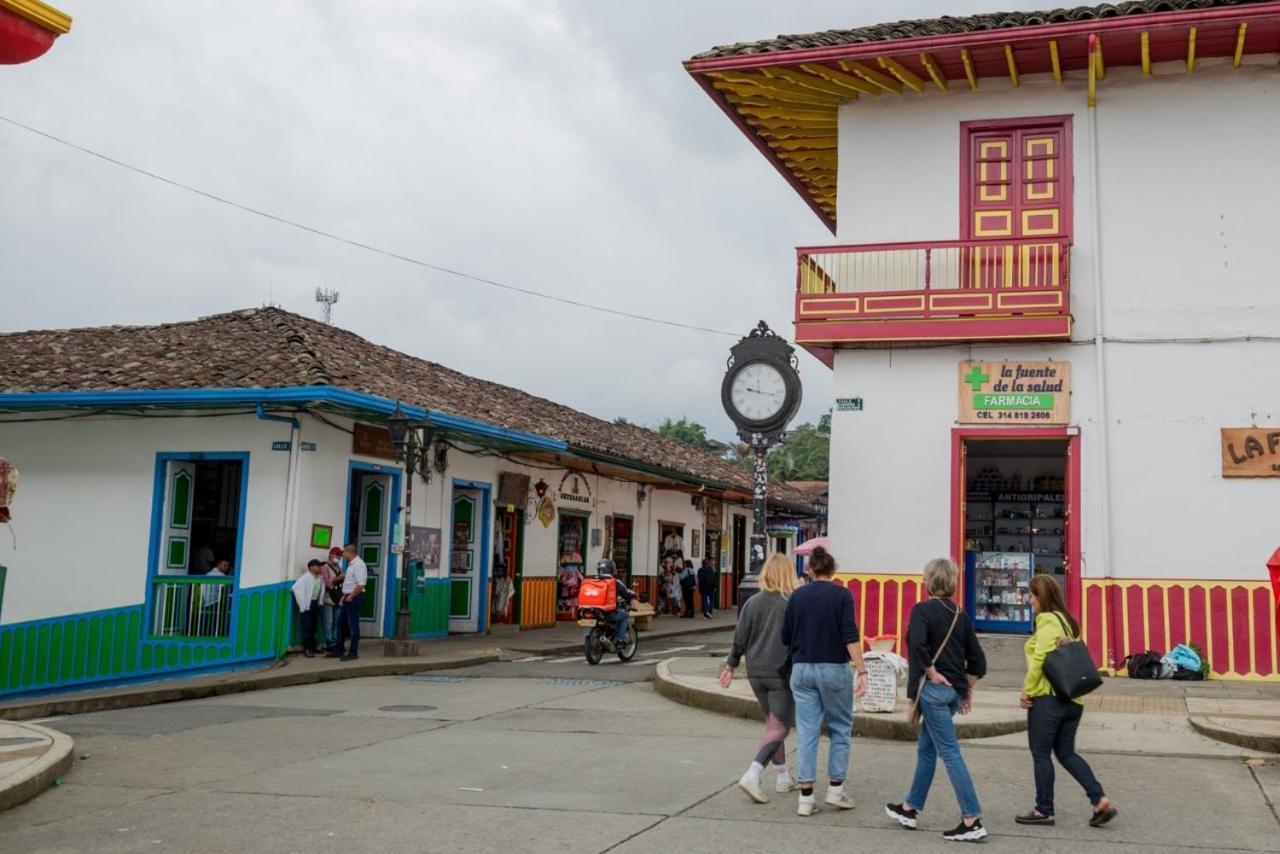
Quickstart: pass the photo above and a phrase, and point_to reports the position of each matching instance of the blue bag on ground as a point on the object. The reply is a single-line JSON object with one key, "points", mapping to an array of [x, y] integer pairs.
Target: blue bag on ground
{"points": [[1183, 657]]}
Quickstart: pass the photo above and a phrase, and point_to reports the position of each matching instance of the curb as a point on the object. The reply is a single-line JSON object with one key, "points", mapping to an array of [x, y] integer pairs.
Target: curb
{"points": [[568, 649], [1249, 741], [175, 693], [55, 763], [887, 727]]}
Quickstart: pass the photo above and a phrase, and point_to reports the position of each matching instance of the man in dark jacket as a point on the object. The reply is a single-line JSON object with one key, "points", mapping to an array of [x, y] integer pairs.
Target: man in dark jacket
{"points": [[707, 587]]}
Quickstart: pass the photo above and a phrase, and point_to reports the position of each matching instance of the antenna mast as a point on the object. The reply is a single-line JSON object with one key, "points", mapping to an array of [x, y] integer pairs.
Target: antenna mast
{"points": [[326, 297]]}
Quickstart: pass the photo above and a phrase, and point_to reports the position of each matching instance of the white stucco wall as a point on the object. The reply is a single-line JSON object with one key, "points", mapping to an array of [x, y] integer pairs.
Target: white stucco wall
{"points": [[82, 513], [1189, 173]]}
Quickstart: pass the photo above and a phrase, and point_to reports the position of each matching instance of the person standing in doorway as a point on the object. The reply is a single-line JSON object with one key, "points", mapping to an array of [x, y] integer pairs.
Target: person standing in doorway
{"points": [[688, 584], [946, 661], [821, 632], [759, 635], [707, 587], [307, 593], [353, 582], [1052, 721]]}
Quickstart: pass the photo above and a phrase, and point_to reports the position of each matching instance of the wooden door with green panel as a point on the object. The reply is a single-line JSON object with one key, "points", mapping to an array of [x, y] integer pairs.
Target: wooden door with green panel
{"points": [[373, 533], [465, 559]]}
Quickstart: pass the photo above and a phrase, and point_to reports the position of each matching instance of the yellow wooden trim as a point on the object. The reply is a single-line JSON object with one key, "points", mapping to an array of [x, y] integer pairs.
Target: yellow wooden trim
{"points": [[1191, 49], [884, 81], [1235, 61], [777, 87], [969, 71], [816, 84], [855, 84], [40, 14], [1013, 66], [909, 79], [1146, 52], [1057, 64], [931, 65], [1102, 67], [1092, 98], [1248, 584]]}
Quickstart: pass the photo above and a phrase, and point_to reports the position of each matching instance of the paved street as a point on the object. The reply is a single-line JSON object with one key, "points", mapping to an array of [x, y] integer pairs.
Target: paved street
{"points": [[551, 755]]}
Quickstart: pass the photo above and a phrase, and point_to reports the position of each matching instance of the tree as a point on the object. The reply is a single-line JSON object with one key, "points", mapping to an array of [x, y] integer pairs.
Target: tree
{"points": [[805, 455], [684, 430]]}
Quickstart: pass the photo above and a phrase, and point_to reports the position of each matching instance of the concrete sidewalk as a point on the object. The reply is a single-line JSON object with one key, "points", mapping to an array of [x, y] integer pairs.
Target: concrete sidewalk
{"points": [[442, 654], [32, 758]]}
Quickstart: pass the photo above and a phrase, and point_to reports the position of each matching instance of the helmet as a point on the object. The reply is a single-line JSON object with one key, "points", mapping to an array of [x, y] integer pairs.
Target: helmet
{"points": [[605, 566]]}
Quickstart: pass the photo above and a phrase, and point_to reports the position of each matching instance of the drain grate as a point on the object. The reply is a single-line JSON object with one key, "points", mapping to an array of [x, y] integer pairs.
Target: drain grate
{"points": [[409, 708], [583, 683], [442, 680]]}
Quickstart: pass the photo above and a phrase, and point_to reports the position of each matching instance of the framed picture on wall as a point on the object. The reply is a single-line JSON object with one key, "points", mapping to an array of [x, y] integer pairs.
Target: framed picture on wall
{"points": [[694, 549], [321, 536]]}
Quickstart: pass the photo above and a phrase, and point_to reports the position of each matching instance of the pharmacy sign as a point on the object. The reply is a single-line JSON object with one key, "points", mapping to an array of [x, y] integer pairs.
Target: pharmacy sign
{"points": [[1014, 392]]}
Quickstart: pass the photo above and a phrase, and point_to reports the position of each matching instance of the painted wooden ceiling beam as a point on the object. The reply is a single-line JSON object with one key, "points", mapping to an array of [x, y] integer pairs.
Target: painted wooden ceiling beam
{"points": [[969, 71], [857, 85], [815, 84], [885, 82], [1239, 56], [1191, 49], [1055, 61], [909, 78], [1093, 72], [931, 65], [1146, 52], [1012, 63]]}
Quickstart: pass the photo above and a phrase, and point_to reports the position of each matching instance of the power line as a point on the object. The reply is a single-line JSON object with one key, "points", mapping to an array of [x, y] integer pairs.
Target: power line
{"points": [[319, 232]]}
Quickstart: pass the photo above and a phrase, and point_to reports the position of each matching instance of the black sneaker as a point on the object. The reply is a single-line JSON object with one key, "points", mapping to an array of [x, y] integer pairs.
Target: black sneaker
{"points": [[902, 815], [966, 832]]}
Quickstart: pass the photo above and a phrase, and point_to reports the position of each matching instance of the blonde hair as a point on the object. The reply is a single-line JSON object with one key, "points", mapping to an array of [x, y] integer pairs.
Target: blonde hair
{"points": [[778, 576], [940, 576]]}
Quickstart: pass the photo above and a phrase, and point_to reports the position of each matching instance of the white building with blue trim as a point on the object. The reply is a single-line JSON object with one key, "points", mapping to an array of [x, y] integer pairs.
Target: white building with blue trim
{"points": [[149, 454]]}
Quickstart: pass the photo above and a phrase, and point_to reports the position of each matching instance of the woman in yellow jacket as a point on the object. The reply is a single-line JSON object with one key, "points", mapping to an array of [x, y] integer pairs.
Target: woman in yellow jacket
{"points": [[1051, 721]]}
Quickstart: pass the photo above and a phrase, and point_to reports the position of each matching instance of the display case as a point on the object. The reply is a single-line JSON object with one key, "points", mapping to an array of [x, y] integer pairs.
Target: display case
{"points": [[997, 590]]}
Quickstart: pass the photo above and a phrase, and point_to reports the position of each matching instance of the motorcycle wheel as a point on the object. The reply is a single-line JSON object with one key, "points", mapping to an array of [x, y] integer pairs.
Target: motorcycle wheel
{"points": [[593, 646], [629, 647]]}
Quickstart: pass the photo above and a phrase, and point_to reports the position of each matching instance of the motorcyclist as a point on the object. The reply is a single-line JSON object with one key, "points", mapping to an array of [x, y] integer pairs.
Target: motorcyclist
{"points": [[619, 616]]}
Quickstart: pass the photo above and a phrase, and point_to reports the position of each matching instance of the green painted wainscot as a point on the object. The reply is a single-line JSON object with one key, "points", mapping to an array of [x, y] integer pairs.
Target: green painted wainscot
{"points": [[109, 647], [428, 605]]}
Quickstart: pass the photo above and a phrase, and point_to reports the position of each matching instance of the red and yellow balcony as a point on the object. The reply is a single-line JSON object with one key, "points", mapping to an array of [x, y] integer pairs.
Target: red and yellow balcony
{"points": [[28, 29], [932, 292]]}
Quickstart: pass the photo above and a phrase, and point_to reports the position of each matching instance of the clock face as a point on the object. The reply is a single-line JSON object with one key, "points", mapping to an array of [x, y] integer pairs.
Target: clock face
{"points": [[758, 392]]}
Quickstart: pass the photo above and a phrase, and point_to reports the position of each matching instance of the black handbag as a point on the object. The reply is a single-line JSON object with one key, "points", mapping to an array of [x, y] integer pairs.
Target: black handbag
{"points": [[1070, 668]]}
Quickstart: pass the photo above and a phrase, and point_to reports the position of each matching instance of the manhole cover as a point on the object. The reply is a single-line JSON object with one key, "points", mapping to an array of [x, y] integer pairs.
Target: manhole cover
{"points": [[406, 708]]}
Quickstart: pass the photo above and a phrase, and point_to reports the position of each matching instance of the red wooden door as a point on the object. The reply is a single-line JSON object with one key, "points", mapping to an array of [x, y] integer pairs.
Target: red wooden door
{"points": [[1016, 187]]}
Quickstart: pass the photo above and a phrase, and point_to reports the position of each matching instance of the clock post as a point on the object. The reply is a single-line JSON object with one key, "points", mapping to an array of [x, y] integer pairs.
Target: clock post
{"points": [[761, 393]]}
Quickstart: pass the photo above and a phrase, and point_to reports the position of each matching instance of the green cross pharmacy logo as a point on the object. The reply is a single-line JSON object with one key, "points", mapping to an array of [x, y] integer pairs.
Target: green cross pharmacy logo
{"points": [[976, 378]]}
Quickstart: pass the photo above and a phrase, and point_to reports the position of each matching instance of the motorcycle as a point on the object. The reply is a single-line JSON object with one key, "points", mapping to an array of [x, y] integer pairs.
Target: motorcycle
{"points": [[599, 636]]}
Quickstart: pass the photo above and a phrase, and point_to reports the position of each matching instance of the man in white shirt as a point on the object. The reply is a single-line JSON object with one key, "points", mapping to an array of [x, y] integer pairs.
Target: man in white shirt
{"points": [[307, 591], [353, 582]]}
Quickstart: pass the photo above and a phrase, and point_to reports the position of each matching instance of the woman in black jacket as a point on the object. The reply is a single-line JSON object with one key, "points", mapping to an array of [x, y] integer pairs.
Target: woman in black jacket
{"points": [[945, 662]]}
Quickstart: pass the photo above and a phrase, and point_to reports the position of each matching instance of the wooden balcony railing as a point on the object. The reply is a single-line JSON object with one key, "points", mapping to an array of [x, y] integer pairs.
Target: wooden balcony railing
{"points": [[863, 289]]}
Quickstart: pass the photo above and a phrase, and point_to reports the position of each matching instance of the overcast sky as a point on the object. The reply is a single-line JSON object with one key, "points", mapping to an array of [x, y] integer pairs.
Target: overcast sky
{"points": [[558, 146]]}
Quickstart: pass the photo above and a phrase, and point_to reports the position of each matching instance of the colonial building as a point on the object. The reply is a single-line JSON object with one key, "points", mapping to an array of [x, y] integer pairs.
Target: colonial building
{"points": [[259, 437], [1050, 307]]}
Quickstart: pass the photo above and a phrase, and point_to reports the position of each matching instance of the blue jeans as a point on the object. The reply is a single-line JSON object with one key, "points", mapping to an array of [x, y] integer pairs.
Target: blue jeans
{"points": [[938, 703], [330, 616], [619, 618], [822, 690], [349, 629]]}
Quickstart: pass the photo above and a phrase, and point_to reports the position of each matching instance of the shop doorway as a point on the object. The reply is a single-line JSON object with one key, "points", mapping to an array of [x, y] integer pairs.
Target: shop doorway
{"points": [[739, 549], [370, 503], [571, 548], [620, 531], [1016, 493], [468, 556], [508, 566]]}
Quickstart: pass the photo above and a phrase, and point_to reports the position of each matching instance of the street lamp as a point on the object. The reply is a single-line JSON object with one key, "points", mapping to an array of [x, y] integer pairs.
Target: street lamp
{"points": [[413, 451]]}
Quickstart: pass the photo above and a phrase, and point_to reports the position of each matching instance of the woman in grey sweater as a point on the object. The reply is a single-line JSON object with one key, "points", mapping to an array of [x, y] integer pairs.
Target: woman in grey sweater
{"points": [[759, 637]]}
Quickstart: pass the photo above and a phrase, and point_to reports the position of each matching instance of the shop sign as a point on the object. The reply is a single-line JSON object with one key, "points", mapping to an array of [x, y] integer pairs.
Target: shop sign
{"points": [[1251, 451], [574, 488], [370, 440], [1014, 392], [848, 404]]}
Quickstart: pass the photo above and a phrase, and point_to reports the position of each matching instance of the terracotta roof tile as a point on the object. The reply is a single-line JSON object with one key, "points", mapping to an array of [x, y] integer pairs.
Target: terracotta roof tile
{"points": [[273, 348], [948, 25]]}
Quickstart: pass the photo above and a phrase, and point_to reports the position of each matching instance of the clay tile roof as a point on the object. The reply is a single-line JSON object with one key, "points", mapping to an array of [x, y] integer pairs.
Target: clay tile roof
{"points": [[948, 25], [273, 348]]}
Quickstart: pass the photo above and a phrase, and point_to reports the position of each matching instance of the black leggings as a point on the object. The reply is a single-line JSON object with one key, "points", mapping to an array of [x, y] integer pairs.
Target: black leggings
{"points": [[1051, 731]]}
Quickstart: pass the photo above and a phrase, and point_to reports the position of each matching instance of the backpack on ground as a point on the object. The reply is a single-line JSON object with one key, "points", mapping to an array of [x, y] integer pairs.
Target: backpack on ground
{"points": [[1143, 665]]}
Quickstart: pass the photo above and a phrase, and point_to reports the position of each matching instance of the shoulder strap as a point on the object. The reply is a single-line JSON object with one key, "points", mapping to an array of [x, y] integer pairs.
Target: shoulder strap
{"points": [[955, 618], [1066, 630]]}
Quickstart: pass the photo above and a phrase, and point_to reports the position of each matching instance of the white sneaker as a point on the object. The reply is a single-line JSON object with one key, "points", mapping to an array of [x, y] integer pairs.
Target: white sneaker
{"points": [[807, 806], [838, 799], [750, 783], [784, 784]]}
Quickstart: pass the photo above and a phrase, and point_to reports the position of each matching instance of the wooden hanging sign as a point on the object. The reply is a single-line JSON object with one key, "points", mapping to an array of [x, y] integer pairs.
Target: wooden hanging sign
{"points": [[1251, 451]]}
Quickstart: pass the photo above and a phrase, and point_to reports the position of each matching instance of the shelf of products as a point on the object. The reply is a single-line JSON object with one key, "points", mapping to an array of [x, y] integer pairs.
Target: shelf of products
{"points": [[1000, 589]]}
